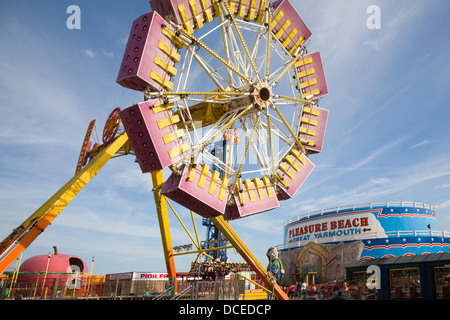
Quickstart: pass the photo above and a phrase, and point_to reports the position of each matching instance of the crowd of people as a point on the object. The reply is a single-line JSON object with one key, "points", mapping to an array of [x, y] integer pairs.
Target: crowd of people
{"points": [[211, 270], [337, 291]]}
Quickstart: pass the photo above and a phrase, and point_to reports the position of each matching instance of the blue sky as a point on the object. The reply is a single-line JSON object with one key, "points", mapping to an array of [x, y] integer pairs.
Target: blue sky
{"points": [[387, 138]]}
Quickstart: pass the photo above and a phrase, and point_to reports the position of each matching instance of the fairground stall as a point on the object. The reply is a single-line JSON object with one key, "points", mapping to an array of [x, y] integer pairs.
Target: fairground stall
{"points": [[425, 276]]}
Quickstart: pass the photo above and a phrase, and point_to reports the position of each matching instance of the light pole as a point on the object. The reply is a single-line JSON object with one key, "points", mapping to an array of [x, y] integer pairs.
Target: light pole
{"points": [[46, 270], [90, 275]]}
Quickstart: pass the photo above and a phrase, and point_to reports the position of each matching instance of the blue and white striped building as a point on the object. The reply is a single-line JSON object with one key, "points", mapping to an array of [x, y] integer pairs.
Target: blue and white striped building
{"points": [[385, 229]]}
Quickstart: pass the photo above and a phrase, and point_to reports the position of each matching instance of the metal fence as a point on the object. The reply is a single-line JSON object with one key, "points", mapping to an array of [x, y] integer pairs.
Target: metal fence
{"points": [[122, 289], [50, 287]]}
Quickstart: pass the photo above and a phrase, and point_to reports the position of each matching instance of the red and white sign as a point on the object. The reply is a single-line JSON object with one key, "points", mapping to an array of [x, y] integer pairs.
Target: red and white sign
{"points": [[336, 227], [155, 276], [150, 276]]}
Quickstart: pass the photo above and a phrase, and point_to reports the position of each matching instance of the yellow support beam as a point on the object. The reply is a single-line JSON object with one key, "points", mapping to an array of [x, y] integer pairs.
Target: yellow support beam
{"points": [[164, 227], [30, 229], [203, 251], [233, 270], [248, 256]]}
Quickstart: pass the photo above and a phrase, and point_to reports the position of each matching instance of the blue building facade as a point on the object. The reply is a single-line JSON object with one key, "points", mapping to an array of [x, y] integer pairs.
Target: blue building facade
{"points": [[385, 229]]}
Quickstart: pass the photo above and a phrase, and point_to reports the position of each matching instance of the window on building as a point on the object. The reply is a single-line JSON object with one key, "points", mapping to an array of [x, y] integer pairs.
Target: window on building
{"points": [[359, 276], [442, 282], [405, 283]]}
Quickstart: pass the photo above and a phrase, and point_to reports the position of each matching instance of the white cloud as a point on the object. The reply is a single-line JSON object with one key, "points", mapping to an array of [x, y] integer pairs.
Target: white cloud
{"points": [[103, 223], [124, 40], [396, 25], [406, 14], [378, 152], [37, 94], [10, 138], [445, 204], [132, 177], [337, 171], [443, 186], [381, 181], [401, 183], [108, 53], [89, 53], [419, 144]]}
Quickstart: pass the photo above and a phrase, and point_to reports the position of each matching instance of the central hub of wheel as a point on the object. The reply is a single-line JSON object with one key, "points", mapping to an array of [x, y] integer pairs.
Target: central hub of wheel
{"points": [[264, 94]]}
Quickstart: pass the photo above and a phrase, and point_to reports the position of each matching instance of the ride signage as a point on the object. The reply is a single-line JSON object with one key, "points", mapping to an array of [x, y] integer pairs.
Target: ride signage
{"points": [[361, 224]]}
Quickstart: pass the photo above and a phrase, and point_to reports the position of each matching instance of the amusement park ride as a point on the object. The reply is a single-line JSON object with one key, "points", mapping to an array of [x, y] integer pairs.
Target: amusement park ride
{"points": [[259, 102]]}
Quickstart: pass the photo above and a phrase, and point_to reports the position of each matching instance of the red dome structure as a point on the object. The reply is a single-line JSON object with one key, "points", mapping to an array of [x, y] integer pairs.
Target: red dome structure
{"points": [[45, 271]]}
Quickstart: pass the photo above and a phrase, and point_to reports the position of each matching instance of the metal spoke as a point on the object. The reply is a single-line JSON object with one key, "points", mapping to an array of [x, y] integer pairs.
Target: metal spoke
{"points": [[226, 9], [236, 78], [190, 39]]}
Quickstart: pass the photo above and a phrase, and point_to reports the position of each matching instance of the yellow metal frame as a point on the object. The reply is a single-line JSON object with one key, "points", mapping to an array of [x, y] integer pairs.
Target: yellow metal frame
{"points": [[16, 243], [31, 228], [164, 227], [201, 251], [248, 256]]}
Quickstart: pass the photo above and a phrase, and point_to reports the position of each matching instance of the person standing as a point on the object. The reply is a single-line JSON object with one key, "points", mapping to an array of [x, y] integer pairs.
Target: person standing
{"points": [[303, 289], [292, 291], [298, 289]]}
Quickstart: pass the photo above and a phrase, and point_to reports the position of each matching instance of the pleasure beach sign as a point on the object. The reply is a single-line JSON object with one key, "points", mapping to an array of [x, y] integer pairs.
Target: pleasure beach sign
{"points": [[336, 227]]}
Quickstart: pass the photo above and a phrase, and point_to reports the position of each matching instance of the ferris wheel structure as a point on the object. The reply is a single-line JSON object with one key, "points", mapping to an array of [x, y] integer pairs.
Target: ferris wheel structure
{"points": [[230, 110], [231, 72], [244, 77]]}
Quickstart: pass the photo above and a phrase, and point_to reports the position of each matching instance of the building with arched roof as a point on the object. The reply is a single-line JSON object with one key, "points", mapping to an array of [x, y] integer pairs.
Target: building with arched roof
{"points": [[320, 244]]}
